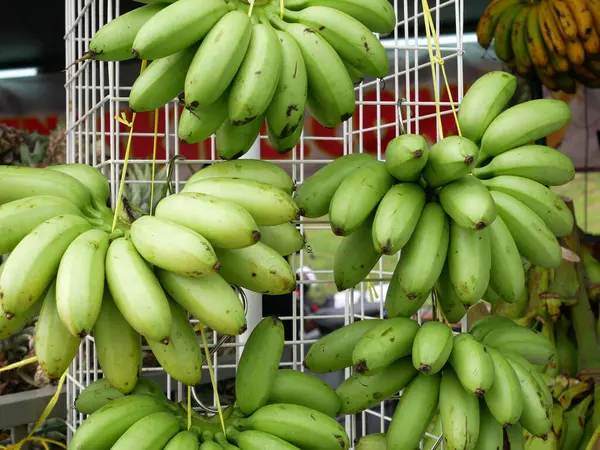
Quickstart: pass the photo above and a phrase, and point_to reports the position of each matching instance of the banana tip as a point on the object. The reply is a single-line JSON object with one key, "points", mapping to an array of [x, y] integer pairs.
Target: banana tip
{"points": [[301, 212], [338, 231], [425, 368], [480, 225], [469, 159], [361, 366], [507, 425], [165, 341], [480, 393], [217, 266], [135, 53], [9, 316], [256, 235], [82, 334], [417, 154]]}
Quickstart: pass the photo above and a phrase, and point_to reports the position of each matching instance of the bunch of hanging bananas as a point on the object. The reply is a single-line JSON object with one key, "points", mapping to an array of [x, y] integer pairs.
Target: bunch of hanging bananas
{"points": [[558, 40], [274, 408], [481, 382], [464, 213], [230, 225], [239, 65]]}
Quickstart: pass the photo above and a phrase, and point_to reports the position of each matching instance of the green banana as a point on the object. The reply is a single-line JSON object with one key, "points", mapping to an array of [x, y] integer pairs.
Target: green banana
{"points": [[459, 412], [353, 41], [152, 432], [55, 346], [137, 292], [451, 306], [218, 59], [34, 262], [209, 298], [201, 123], [314, 195], [414, 412], [539, 163], [356, 75], [592, 271], [432, 347], [298, 425], [480, 329], [95, 182], [257, 440], [523, 123], [161, 82], [104, 427], [406, 156], [515, 437], [286, 144], [537, 197], [374, 441], [449, 159], [483, 101], [566, 350], [148, 386], [80, 281], [355, 257], [468, 202], [173, 247], [118, 347], [184, 440], [209, 445], [532, 442], [9, 326], [182, 357], [256, 80], [267, 204], [302, 388], [491, 433], [420, 264], [360, 392], [258, 268], [529, 344], [114, 41], [285, 239], [396, 217], [504, 399], [534, 239], [574, 424], [222, 441], [95, 396], [327, 118], [390, 340], [234, 141], [333, 351], [285, 113], [251, 169], [507, 277], [257, 368], [177, 27], [358, 196], [223, 223], [473, 364]]}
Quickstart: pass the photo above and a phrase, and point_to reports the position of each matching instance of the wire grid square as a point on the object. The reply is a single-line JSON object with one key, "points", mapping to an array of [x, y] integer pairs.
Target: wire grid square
{"points": [[96, 92]]}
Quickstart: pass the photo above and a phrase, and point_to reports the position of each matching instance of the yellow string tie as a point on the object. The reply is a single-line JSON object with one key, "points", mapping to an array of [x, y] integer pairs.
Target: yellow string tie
{"points": [[251, 8], [212, 377], [189, 407], [281, 8], [154, 159], [19, 364]]}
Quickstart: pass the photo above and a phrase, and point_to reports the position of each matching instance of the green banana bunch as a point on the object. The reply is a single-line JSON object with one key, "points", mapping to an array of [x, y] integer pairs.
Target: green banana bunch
{"points": [[34, 262], [137, 292], [355, 257], [503, 399], [184, 440], [182, 357], [258, 268], [95, 182], [118, 347], [153, 432], [201, 123], [483, 101], [406, 156], [257, 440], [173, 247], [387, 342], [396, 217], [360, 391], [472, 364], [452, 308], [420, 264], [523, 123], [301, 388], [414, 412], [234, 141], [449, 159], [539, 163], [468, 202], [95, 396], [314, 195], [298, 425], [432, 347], [491, 433], [209, 298], [257, 368], [55, 346], [177, 27], [459, 412], [333, 351], [285, 239]]}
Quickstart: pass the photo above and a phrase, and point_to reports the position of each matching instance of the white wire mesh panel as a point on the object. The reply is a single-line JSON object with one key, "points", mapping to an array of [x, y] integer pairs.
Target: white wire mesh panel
{"points": [[97, 91]]}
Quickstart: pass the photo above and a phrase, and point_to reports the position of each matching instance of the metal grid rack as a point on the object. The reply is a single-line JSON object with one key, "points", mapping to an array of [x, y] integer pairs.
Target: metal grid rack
{"points": [[97, 91]]}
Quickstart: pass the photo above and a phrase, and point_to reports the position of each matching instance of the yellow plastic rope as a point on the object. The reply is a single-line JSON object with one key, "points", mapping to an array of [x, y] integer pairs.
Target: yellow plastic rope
{"points": [[212, 376], [251, 8], [437, 59], [154, 159], [189, 407], [123, 120], [281, 8], [19, 364]]}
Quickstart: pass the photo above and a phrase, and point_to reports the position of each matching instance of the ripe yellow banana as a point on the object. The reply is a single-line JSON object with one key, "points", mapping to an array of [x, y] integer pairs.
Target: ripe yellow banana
{"points": [[137, 292], [504, 399], [201, 123], [594, 8], [502, 35], [575, 52], [452, 308], [583, 18], [406, 156], [454, 156], [565, 18], [55, 346], [519, 42], [535, 42], [592, 43], [468, 202], [420, 264], [285, 239], [396, 217], [223, 223], [258, 268], [118, 346], [432, 347], [552, 35], [153, 432], [362, 391], [489, 20], [34, 262], [472, 363], [234, 141], [95, 396], [95, 182], [209, 298], [218, 59]]}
